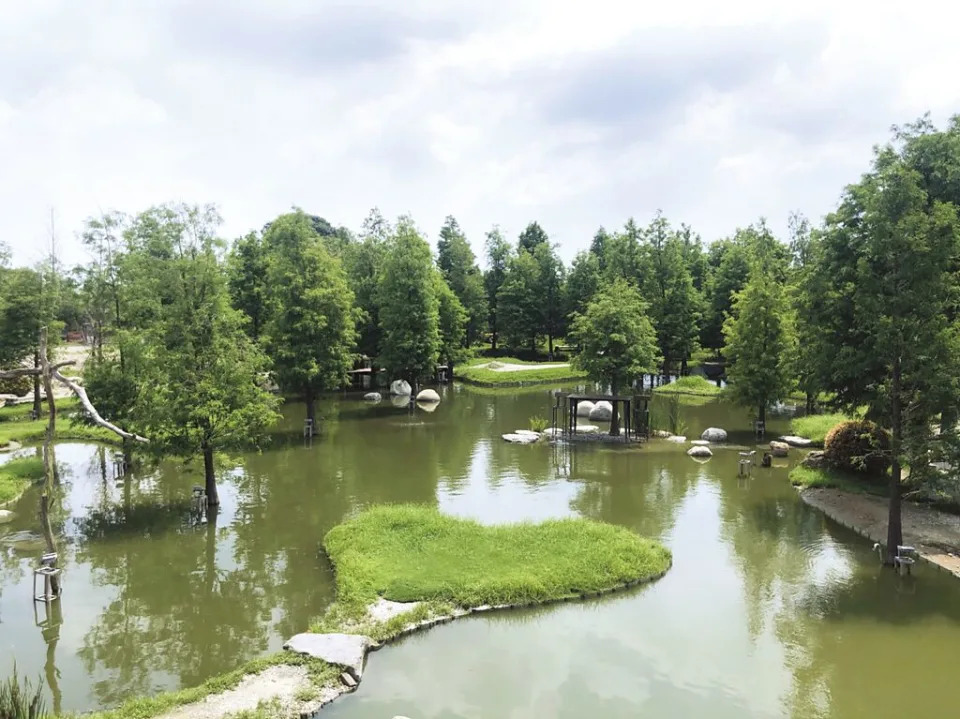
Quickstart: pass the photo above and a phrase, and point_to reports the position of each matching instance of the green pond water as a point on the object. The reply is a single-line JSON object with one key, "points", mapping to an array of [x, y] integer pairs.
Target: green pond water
{"points": [[770, 609]]}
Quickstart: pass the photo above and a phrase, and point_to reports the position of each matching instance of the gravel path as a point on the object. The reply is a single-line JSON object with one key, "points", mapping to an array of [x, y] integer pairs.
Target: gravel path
{"points": [[500, 367], [934, 534]]}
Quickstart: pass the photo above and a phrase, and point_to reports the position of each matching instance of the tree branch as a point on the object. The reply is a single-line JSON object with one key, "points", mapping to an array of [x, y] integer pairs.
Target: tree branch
{"points": [[92, 411]]}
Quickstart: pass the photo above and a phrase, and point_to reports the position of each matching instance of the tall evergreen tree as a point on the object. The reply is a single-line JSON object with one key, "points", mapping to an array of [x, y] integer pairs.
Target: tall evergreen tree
{"points": [[532, 236], [247, 280], [520, 302], [311, 331], [458, 266], [550, 287], [363, 261], [498, 258], [409, 306], [583, 281], [617, 341], [452, 322]]}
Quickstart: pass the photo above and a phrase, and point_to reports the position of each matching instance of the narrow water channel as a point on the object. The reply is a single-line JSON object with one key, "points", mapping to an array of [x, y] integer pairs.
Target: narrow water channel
{"points": [[770, 610]]}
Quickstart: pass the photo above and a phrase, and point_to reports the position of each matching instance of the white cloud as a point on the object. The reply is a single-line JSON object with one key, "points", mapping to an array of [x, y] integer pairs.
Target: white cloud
{"points": [[574, 115]]}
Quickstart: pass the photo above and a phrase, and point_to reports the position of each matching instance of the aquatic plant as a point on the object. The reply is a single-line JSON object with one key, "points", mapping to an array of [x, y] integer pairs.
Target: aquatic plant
{"points": [[19, 700]]}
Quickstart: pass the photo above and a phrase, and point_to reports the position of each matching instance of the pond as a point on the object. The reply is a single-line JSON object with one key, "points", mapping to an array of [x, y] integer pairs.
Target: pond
{"points": [[770, 608]]}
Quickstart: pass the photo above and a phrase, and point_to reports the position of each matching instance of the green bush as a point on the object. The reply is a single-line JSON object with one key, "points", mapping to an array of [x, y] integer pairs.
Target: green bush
{"points": [[692, 384], [16, 385], [857, 446], [539, 424]]}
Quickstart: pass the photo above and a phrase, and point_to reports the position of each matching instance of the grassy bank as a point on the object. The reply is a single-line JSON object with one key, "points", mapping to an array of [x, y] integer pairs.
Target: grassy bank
{"points": [[410, 553], [16, 425], [692, 385], [815, 426], [805, 477], [16, 475], [487, 377]]}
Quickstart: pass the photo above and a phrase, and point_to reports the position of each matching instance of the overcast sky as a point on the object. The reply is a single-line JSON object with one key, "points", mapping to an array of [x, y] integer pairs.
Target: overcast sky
{"points": [[571, 114]]}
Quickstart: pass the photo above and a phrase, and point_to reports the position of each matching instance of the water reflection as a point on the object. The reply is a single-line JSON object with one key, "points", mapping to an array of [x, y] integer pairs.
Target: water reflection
{"points": [[769, 610]]}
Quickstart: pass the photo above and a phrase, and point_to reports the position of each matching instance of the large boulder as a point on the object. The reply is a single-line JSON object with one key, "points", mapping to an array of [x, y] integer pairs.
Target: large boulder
{"points": [[584, 408], [602, 412], [814, 460], [779, 449], [372, 397], [400, 388], [699, 451], [428, 395], [714, 434]]}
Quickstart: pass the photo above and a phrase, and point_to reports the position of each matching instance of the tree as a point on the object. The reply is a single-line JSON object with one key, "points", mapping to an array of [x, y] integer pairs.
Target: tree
{"points": [[452, 319], [363, 262], [247, 280], [311, 329], [583, 281], [759, 341], [520, 302], [458, 266], [888, 257], [201, 389], [498, 259], [550, 288], [21, 315], [806, 292], [622, 255], [532, 236], [409, 307], [617, 341]]}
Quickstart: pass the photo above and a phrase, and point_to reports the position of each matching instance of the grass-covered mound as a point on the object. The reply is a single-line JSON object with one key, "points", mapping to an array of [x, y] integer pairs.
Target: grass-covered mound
{"points": [[16, 475], [815, 426], [825, 477], [16, 425], [485, 376], [692, 384], [413, 553]]}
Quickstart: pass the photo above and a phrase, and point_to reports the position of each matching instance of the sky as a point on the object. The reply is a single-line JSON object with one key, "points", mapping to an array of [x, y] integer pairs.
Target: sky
{"points": [[575, 115]]}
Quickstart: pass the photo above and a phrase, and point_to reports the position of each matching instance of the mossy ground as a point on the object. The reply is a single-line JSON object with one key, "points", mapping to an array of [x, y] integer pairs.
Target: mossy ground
{"points": [[409, 553], [484, 377], [815, 426], [808, 477]]}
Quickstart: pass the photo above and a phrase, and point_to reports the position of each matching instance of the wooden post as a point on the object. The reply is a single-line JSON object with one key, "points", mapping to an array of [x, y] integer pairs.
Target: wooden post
{"points": [[51, 542]]}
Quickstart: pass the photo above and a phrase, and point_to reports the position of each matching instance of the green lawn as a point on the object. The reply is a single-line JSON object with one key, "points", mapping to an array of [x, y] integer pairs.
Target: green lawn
{"points": [[16, 475], [414, 553], [805, 477], [16, 425], [815, 426], [693, 385]]}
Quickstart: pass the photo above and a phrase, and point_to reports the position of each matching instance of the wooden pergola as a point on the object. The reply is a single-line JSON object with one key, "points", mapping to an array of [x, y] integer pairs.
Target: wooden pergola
{"points": [[633, 418]]}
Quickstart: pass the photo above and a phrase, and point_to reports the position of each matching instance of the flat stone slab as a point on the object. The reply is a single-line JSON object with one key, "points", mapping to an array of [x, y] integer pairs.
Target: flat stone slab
{"points": [[6, 516], [384, 610], [678, 438], [516, 438], [699, 442], [528, 432], [587, 428], [346, 650], [797, 441]]}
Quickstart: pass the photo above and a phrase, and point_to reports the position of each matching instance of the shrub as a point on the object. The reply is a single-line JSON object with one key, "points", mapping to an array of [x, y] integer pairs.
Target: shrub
{"points": [[857, 446], [539, 424], [16, 385]]}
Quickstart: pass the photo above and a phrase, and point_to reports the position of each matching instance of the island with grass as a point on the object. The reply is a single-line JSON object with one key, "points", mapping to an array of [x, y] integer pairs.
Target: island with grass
{"points": [[401, 569]]}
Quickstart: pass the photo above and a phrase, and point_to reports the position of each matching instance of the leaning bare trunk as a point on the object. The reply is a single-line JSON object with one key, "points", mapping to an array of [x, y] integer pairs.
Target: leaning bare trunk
{"points": [[894, 527], [213, 499]]}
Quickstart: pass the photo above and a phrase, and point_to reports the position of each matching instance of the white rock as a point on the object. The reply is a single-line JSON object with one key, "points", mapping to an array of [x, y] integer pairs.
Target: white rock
{"points": [[779, 449], [520, 438], [373, 396], [553, 432], [401, 388], [661, 433], [6, 516], [383, 610], [400, 400], [528, 432], [699, 442], [584, 408], [10, 446], [346, 650], [428, 395], [428, 406], [602, 412], [700, 451], [587, 428], [678, 438], [714, 434], [797, 441]]}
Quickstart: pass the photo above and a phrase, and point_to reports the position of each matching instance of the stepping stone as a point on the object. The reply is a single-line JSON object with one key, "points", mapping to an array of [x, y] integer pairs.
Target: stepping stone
{"points": [[516, 438], [679, 439], [797, 441], [699, 451], [587, 428], [345, 650], [699, 442]]}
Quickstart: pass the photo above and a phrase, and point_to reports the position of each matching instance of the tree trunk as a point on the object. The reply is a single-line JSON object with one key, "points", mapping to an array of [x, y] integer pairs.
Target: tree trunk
{"points": [[762, 416], [550, 345], [683, 367], [36, 385], [615, 417], [894, 528], [810, 407], [50, 540], [127, 454], [311, 409], [213, 499]]}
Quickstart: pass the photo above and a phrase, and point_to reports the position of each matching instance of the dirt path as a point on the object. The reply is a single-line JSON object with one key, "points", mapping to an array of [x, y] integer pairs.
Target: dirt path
{"points": [[500, 367], [934, 534]]}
